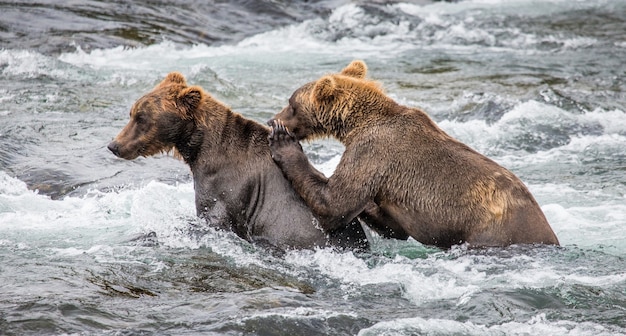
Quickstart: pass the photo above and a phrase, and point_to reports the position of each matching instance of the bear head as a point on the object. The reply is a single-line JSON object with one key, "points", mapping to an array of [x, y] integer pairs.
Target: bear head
{"points": [[158, 119], [322, 108]]}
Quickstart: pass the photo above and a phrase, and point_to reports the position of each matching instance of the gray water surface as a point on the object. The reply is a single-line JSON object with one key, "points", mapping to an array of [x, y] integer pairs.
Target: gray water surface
{"points": [[94, 245]]}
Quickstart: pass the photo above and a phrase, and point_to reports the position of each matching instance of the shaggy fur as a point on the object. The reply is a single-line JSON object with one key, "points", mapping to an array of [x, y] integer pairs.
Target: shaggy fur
{"points": [[407, 174], [237, 185]]}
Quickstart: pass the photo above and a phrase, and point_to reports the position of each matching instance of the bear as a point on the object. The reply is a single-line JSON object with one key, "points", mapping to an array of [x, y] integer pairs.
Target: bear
{"points": [[401, 171], [237, 185]]}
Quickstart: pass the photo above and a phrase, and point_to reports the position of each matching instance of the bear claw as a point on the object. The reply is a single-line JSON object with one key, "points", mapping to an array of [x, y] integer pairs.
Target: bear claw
{"points": [[281, 139], [280, 132]]}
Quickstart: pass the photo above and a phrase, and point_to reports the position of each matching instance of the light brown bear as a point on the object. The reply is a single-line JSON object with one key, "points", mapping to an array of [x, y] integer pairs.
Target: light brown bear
{"points": [[237, 185], [409, 176]]}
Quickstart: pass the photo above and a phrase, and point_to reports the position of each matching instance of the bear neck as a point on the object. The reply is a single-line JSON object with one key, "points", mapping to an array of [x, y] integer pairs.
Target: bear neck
{"points": [[362, 112], [218, 132], [189, 142]]}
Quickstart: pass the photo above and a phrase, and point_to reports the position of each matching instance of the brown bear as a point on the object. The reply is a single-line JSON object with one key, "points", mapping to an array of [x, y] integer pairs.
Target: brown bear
{"points": [[237, 185], [407, 174]]}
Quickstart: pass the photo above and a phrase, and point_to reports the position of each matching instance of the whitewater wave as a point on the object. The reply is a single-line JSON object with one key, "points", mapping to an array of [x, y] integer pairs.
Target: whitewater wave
{"points": [[358, 31], [154, 207], [30, 64], [457, 276], [541, 128], [537, 325]]}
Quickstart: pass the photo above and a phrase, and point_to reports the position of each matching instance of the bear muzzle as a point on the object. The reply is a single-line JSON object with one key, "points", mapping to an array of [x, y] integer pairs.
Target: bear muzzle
{"points": [[114, 148]]}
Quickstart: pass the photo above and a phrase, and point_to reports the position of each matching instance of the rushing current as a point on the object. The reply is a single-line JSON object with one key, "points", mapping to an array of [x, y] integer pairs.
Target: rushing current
{"points": [[91, 244]]}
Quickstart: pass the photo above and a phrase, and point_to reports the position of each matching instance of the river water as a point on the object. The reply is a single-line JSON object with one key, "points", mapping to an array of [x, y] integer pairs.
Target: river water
{"points": [[94, 245]]}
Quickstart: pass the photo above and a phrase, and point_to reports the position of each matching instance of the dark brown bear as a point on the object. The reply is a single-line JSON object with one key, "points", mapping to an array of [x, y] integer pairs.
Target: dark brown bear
{"points": [[237, 185], [409, 176]]}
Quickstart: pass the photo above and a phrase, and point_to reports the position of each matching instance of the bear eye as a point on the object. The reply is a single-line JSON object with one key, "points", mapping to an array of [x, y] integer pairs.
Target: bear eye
{"points": [[140, 118]]}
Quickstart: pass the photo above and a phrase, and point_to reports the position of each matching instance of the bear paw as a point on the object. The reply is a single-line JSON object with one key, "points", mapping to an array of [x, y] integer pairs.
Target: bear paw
{"points": [[282, 142]]}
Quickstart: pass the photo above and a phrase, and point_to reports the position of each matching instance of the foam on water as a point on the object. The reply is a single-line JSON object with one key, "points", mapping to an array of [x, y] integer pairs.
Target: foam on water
{"points": [[349, 30], [29, 64], [304, 313], [527, 135], [529, 119], [23, 209], [111, 228], [453, 275], [538, 325], [96, 223], [93, 223], [531, 8], [589, 226], [419, 285], [125, 58]]}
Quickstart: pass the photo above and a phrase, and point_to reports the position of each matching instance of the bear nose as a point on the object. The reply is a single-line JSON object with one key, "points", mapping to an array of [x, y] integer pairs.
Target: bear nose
{"points": [[114, 148]]}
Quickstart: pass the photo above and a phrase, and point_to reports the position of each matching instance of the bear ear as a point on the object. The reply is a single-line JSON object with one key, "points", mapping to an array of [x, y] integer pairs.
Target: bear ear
{"points": [[173, 78], [324, 89], [356, 69], [188, 99]]}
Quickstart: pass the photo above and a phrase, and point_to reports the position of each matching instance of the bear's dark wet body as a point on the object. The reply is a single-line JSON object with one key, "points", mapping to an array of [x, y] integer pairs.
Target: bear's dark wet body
{"points": [[237, 185]]}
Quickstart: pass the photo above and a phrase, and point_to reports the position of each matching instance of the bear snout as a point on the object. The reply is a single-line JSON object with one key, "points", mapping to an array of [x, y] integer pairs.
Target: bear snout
{"points": [[114, 148]]}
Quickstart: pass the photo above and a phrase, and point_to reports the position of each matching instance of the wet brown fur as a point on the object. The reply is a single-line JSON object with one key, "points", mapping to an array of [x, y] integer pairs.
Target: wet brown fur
{"points": [[237, 185], [424, 183]]}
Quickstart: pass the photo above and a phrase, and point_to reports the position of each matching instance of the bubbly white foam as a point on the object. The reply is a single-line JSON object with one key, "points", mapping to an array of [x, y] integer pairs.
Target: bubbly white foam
{"points": [[306, 313], [528, 7], [589, 226], [10, 186], [537, 325], [436, 278], [531, 116], [458, 276], [24, 210], [613, 121], [123, 57], [349, 32], [28, 64], [95, 224], [98, 222]]}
